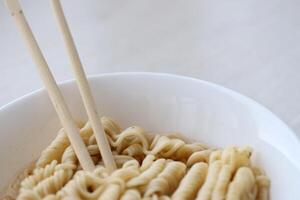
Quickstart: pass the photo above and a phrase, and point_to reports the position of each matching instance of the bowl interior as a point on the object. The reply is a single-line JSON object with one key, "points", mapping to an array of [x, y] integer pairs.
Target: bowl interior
{"points": [[159, 103]]}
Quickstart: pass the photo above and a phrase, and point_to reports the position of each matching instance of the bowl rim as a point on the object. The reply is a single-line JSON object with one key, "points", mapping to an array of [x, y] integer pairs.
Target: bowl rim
{"points": [[241, 97]]}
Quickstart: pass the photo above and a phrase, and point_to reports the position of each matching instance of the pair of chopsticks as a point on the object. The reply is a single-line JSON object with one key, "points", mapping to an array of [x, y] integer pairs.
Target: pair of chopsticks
{"points": [[54, 92]]}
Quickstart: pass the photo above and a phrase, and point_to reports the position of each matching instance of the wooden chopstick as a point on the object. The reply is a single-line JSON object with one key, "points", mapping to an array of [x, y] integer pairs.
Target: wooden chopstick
{"points": [[51, 86], [84, 88]]}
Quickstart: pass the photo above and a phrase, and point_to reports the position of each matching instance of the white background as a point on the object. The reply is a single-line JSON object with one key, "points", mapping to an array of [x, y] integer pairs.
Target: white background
{"points": [[250, 46]]}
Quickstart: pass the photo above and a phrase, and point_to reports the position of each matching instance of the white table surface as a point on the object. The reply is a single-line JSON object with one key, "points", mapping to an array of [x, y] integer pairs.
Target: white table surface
{"points": [[250, 46]]}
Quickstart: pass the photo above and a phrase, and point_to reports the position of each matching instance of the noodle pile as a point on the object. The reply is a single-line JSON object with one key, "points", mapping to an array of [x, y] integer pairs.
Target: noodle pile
{"points": [[149, 167]]}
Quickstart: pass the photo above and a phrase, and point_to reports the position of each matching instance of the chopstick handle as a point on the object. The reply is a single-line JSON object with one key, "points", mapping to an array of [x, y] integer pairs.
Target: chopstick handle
{"points": [[84, 87], [51, 86]]}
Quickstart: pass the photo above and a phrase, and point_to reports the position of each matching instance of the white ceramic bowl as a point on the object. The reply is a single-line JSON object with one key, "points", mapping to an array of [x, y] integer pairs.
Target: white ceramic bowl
{"points": [[158, 102]]}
